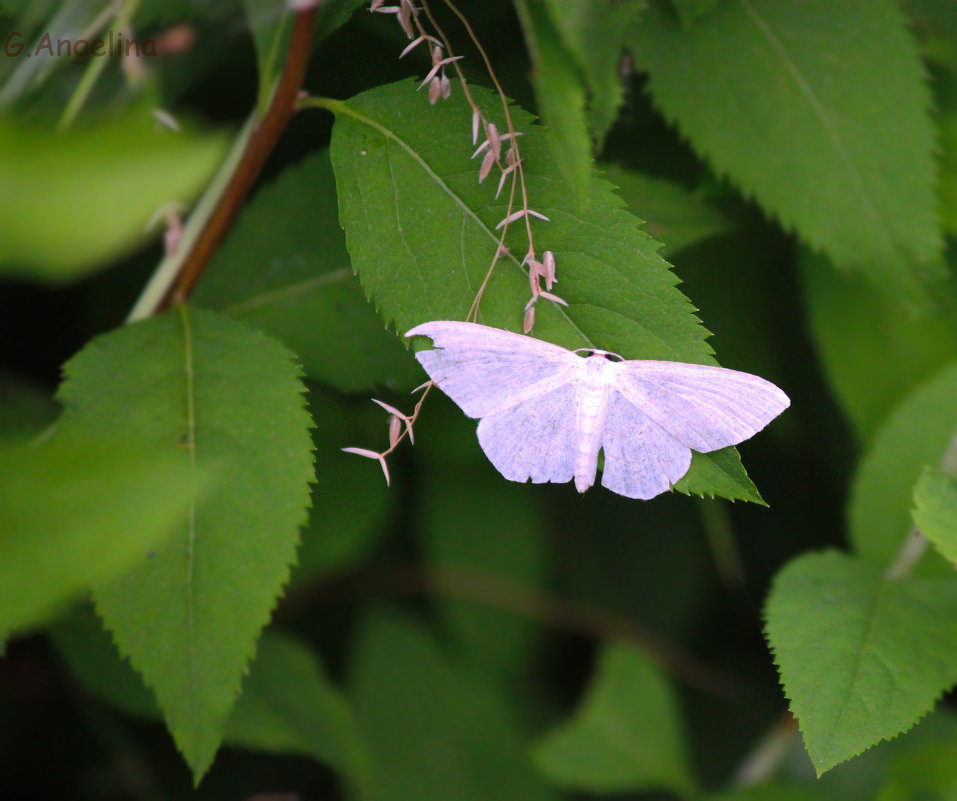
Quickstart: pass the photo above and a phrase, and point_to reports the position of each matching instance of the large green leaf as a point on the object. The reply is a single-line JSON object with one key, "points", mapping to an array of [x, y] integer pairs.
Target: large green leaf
{"points": [[72, 201], [74, 513], [625, 735], [560, 95], [436, 731], [935, 510], [485, 536], [873, 352], [288, 705], [862, 658], [421, 232], [820, 111], [188, 617], [284, 269], [918, 433]]}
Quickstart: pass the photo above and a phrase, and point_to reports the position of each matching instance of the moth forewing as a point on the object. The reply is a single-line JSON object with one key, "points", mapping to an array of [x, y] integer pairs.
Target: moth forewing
{"points": [[704, 407]]}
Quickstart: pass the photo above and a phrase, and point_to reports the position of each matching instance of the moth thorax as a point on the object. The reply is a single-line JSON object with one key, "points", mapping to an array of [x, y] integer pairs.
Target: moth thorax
{"points": [[596, 368], [593, 393]]}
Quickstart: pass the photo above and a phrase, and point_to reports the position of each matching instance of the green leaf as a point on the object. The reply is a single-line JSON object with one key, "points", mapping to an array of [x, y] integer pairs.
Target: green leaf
{"points": [[673, 215], [560, 95], [436, 732], [719, 474], [73, 201], [862, 658], [77, 512], [935, 510], [595, 33], [420, 230], [288, 704], [917, 433], [874, 354], [284, 269], [625, 736], [188, 618], [818, 110], [485, 537]]}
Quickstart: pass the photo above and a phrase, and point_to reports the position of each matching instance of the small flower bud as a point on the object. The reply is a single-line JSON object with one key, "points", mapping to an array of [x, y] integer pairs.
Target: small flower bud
{"points": [[435, 90], [395, 429], [549, 264], [487, 163]]}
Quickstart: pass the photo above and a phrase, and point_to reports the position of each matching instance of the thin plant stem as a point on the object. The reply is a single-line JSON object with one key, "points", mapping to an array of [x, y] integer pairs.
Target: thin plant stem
{"points": [[411, 419]]}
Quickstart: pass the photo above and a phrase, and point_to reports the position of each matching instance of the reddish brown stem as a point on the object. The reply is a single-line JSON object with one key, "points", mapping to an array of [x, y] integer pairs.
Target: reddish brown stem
{"points": [[258, 148]]}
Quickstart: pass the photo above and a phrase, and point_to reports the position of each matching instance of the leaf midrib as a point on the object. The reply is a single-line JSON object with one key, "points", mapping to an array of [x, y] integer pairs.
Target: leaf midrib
{"points": [[865, 644], [190, 391]]}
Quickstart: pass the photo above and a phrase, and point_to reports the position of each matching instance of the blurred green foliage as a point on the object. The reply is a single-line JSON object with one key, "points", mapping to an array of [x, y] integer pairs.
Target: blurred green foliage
{"points": [[266, 606]]}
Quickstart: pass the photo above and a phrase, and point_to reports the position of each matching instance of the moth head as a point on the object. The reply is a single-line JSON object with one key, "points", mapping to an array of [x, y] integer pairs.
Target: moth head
{"points": [[595, 352]]}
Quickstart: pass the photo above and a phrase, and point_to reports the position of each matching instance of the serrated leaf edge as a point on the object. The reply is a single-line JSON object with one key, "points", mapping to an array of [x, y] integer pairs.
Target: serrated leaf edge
{"points": [[820, 766]]}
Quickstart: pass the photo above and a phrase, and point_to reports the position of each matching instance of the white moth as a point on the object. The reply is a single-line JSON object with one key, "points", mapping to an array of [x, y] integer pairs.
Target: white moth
{"points": [[546, 412]]}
